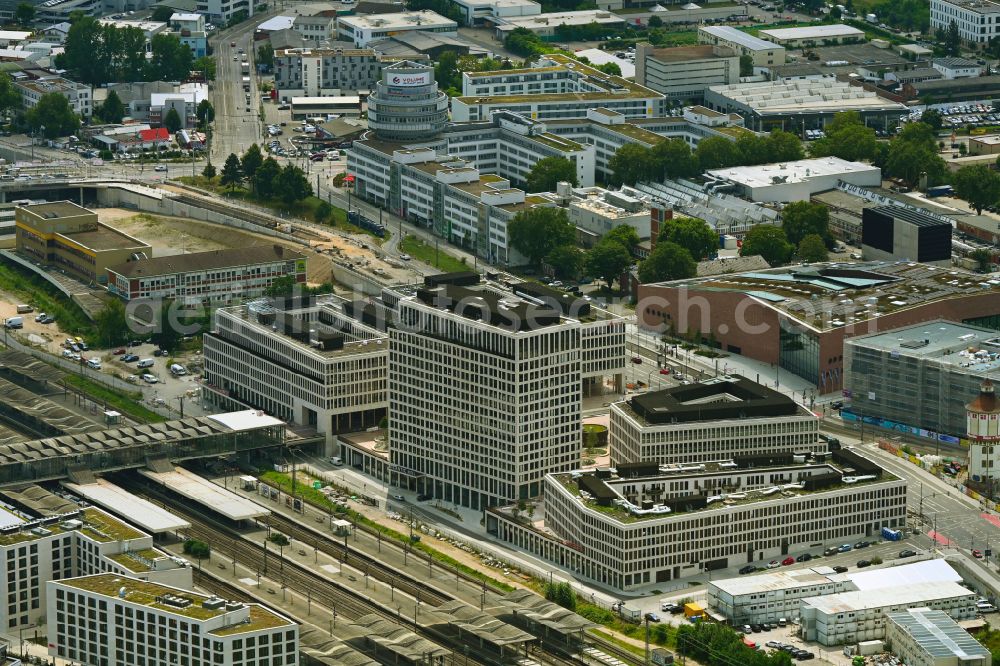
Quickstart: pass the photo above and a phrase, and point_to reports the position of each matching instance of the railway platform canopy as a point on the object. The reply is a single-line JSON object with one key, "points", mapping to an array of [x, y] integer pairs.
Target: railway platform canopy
{"points": [[320, 649], [541, 617], [398, 643], [106, 450], [204, 492], [150, 517], [477, 627]]}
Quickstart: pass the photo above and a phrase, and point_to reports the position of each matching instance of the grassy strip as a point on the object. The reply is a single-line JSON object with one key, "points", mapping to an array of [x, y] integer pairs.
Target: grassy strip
{"points": [[305, 209], [317, 499], [126, 403], [437, 258], [625, 645], [40, 293]]}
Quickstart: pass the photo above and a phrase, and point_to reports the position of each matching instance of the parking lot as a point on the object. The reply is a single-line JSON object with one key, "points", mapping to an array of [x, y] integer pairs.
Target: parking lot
{"points": [[963, 115]]}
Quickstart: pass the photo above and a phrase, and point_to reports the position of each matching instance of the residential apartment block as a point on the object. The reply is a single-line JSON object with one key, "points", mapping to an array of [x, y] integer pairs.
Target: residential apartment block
{"points": [[644, 523], [121, 621], [190, 29], [78, 543], [718, 419], [77, 94], [303, 360], [68, 236], [485, 385], [221, 11], [556, 87], [978, 21], [208, 277], [684, 73]]}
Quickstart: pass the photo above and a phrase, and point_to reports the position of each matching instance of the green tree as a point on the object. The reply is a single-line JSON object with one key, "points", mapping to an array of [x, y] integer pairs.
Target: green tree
{"points": [[170, 60], [205, 65], [769, 242], [232, 172], [197, 549], [933, 118], [112, 110], [324, 212], [446, 71], [281, 286], [10, 98], [208, 171], [716, 152], [979, 185], [251, 161], [265, 56], [667, 261], [746, 65], [691, 233], [953, 40], [54, 113], [565, 260], [166, 334], [84, 55], [803, 218], [161, 14], [655, 21], [632, 163], [111, 323], [608, 260], [24, 14], [292, 184], [626, 235], [847, 138], [983, 259], [783, 147], [172, 121], [267, 177], [914, 151], [205, 112], [561, 594], [813, 249], [674, 159], [611, 68], [548, 171], [537, 231]]}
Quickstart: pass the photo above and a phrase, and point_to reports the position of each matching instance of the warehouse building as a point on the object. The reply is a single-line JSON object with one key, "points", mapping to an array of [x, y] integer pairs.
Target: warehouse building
{"points": [[955, 90], [303, 360], [544, 25], [797, 181], [800, 317], [853, 617], [119, 621], [764, 53], [921, 376], [683, 73], [894, 233], [717, 419], [801, 104], [925, 637], [637, 524], [69, 237], [364, 29], [814, 35]]}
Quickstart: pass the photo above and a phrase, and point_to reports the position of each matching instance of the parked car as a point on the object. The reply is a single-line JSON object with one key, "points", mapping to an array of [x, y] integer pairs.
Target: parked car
{"points": [[845, 548], [977, 554], [119, 351], [637, 360], [664, 371], [160, 167], [48, 319], [907, 553], [805, 557], [40, 316], [787, 561], [861, 544], [748, 569], [129, 358], [149, 379], [840, 569], [773, 564], [652, 617], [864, 563]]}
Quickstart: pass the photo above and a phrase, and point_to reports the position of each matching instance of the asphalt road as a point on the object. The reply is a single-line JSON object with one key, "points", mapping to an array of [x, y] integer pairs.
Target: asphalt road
{"points": [[235, 127]]}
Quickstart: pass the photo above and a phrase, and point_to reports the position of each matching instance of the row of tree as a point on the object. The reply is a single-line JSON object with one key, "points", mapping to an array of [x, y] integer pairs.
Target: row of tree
{"points": [[266, 177]]}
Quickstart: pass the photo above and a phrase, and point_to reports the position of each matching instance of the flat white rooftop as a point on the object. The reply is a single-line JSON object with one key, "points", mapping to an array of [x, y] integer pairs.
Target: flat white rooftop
{"points": [[498, 3], [248, 419], [935, 571], [205, 492], [813, 32], [319, 101], [145, 514], [14, 35], [916, 593], [791, 172], [737, 36], [772, 582], [601, 57], [422, 20], [276, 23], [582, 17], [991, 140], [826, 94], [9, 518]]}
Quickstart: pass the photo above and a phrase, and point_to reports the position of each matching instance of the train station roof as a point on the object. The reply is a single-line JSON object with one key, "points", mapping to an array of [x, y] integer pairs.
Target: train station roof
{"points": [[482, 625], [398, 640], [555, 617]]}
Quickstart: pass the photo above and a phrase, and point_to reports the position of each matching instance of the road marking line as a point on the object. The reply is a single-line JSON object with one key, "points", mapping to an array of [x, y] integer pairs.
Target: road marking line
{"points": [[991, 518], [940, 538]]}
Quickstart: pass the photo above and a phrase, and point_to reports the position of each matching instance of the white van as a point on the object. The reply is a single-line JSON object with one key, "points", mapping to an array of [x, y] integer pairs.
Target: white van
{"points": [[145, 363], [94, 363], [14, 322], [177, 370], [24, 309]]}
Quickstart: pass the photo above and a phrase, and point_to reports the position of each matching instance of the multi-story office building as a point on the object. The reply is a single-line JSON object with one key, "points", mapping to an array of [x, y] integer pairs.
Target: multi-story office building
{"points": [[556, 87], [316, 27], [406, 104], [766, 597], [718, 419], [80, 543], [478, 12], [683, 73], [208, 277], [190, 29], [319, 72], [852, 617], [643, 523], [764, 53], [369, 28], [223, 10], [302, 360], [69, 236], [894, 233], [485, 385], [925, 637], [920, 377], [115, 620], [77, 94], [978, 21]]}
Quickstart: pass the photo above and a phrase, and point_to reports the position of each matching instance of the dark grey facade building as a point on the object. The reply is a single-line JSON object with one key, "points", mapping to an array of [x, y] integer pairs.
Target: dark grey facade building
{"points": [[891, 233]]}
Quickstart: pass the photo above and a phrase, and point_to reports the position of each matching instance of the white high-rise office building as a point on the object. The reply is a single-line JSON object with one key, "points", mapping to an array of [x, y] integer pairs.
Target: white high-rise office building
{"points": [[485, 387]]}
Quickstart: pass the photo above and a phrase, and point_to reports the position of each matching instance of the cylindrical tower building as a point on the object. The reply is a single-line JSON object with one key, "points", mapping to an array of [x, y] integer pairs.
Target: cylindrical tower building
{"points": [[982, 424], [406, 104]]}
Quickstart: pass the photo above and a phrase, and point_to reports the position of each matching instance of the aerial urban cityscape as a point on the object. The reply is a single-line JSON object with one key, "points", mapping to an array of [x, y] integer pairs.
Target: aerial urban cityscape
{"points": [[500, 332]]}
